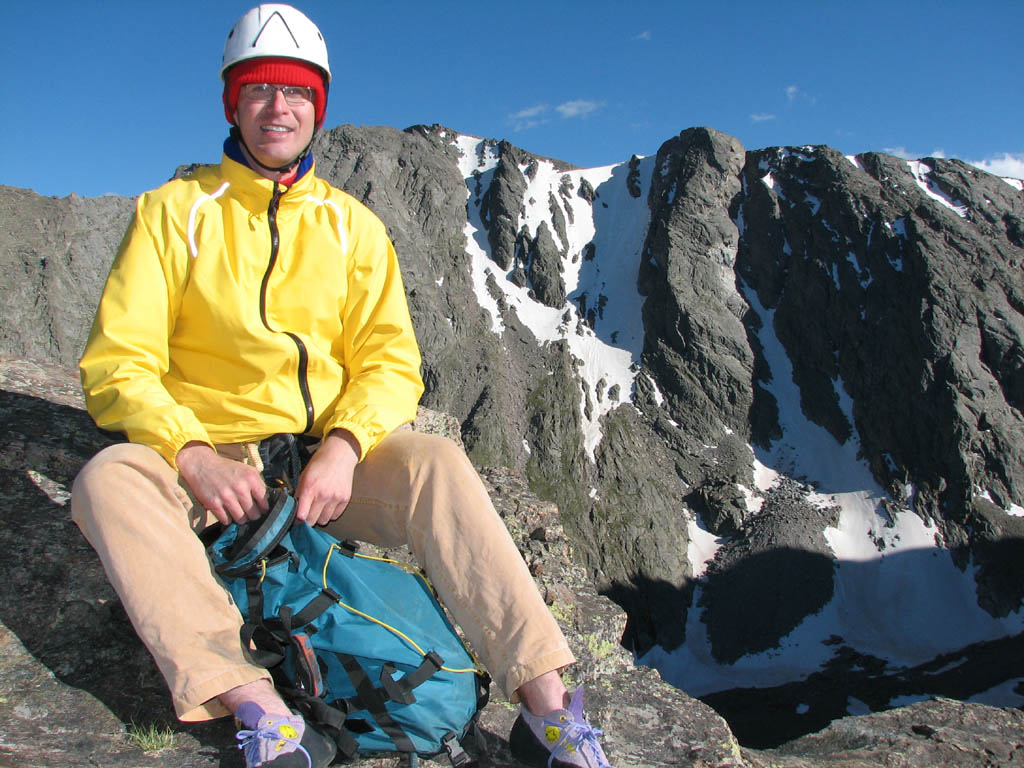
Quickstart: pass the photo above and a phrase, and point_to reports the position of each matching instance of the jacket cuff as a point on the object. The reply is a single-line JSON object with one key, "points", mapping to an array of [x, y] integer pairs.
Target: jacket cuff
{"points": [[169, 450], [367, 442]]}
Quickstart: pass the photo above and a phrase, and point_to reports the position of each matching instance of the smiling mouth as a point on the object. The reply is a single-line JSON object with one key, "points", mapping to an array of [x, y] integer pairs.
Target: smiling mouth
{"points": [[275, 129]]}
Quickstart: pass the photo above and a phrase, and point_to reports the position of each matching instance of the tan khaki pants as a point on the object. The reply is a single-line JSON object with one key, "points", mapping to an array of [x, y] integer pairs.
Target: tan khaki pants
{"points": [[411, 489]]}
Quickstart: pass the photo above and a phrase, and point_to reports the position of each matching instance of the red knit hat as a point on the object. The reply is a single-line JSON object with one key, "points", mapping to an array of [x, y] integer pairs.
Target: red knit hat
{"points": [[277, 72]]}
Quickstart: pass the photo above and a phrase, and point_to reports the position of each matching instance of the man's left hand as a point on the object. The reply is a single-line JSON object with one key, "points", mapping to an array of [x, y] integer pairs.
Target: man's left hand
{"points": [[325, 485]]}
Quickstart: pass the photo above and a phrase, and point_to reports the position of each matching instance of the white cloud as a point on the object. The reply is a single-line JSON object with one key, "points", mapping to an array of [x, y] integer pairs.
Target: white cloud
{"points": [[531, 117], [1007, 165], [528, 118], [793, 93], [525, 125], [645, 35], [578, 108], [905, 154], [529, 112], [760, 117]]}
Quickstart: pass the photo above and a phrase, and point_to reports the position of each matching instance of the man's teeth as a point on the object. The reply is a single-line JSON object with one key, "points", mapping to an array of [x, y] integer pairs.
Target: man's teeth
{"points": [[275, 128]]}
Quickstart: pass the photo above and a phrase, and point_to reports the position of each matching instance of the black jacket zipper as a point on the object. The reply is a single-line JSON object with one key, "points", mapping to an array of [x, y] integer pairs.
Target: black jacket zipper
{"points": [[275, 243]]}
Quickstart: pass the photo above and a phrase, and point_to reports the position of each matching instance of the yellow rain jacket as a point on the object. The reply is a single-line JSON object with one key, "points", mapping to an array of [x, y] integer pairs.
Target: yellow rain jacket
{"points": [[233, 312]]}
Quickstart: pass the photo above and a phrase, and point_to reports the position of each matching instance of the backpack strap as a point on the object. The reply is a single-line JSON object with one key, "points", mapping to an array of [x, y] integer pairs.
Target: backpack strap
{"points": [[284, 456], [312, 610], [256, 540], [400, 691], [372, 699], [331, 718], [328, 717]]}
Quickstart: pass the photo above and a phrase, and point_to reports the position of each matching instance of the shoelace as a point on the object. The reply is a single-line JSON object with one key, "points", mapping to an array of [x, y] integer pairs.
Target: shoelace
{"points": [[251, 744], [576, 735]]}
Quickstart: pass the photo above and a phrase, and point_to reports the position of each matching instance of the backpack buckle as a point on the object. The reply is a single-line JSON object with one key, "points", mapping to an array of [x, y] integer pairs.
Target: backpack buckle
{"points": [[458, 756]]}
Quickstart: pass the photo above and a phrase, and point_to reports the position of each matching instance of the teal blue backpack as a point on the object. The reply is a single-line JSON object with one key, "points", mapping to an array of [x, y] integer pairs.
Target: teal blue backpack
{"points": [[358, 644]]}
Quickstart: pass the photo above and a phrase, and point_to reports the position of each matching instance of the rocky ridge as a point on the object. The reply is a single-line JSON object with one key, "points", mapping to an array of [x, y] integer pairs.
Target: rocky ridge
{"points": [[77, 687]]}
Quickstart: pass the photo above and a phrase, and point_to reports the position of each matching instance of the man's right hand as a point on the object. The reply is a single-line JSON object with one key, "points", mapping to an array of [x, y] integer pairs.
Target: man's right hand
{"points": [[232, 491]]}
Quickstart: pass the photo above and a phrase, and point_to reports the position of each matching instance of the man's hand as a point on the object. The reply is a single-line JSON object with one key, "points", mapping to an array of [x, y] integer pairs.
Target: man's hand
{"points": [[231, 490], [325, 485]]}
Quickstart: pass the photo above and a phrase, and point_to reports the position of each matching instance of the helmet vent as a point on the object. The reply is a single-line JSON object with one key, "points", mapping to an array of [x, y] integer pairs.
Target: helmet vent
{"points": [[276, 14]]}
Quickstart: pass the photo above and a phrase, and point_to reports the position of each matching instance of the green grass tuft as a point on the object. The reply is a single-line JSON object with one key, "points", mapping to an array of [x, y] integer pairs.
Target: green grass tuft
{"points": [[152, 737]]}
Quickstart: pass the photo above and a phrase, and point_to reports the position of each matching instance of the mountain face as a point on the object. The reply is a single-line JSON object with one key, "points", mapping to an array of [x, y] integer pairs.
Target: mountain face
{"points": [[776, 394]]}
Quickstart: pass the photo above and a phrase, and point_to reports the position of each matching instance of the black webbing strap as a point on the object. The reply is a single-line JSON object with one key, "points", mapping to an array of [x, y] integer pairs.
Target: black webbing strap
{"points": [[321, 712], [483, 690], [347, 744], [312, 610], [334, 719], [372, 699], [268, 651], [394, 691], [401, 691], [254, 592], [331, 717], [284, 456]]}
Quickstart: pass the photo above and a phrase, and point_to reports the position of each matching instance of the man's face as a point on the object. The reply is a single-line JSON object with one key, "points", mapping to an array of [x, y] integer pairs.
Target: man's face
{"points": [[274, 131]]}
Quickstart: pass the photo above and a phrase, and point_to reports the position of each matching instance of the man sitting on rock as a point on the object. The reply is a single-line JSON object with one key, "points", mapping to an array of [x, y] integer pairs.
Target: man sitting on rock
{"points": [[250, 299]]}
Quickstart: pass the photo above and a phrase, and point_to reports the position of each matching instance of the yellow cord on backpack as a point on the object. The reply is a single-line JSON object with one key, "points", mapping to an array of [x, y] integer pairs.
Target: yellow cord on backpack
{"points": [[422, 576], [395, 631]]}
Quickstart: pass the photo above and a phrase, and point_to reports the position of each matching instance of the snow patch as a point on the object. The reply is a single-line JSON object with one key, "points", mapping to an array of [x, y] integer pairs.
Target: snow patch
{"points": [[1002, 695], [702, 546], [477, 160], [659, 398], [606, 343], [814, 202], [765, 477], [922, 175], [1013, 510], [741, 224], [855, 262], [752, 500], [769, 181], [857, 707]]}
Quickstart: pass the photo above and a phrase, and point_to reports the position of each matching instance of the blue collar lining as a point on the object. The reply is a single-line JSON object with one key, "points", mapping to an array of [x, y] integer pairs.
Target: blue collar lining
{"points": [[234, 151]]}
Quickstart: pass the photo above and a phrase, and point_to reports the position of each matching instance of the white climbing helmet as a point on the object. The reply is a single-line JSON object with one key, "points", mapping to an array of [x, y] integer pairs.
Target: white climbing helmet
{"points": [[275, 30]]}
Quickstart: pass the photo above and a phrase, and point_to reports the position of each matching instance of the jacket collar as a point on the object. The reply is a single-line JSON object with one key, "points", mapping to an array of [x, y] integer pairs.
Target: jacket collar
{"points": [[248, 184], [233, 149]]}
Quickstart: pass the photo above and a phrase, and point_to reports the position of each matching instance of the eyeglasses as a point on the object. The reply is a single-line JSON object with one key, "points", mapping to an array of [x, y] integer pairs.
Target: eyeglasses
{"points": [[296, 95]]}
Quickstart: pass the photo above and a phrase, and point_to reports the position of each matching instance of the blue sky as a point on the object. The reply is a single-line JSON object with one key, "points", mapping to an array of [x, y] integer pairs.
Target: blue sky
{"points": [[110, 97]]}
